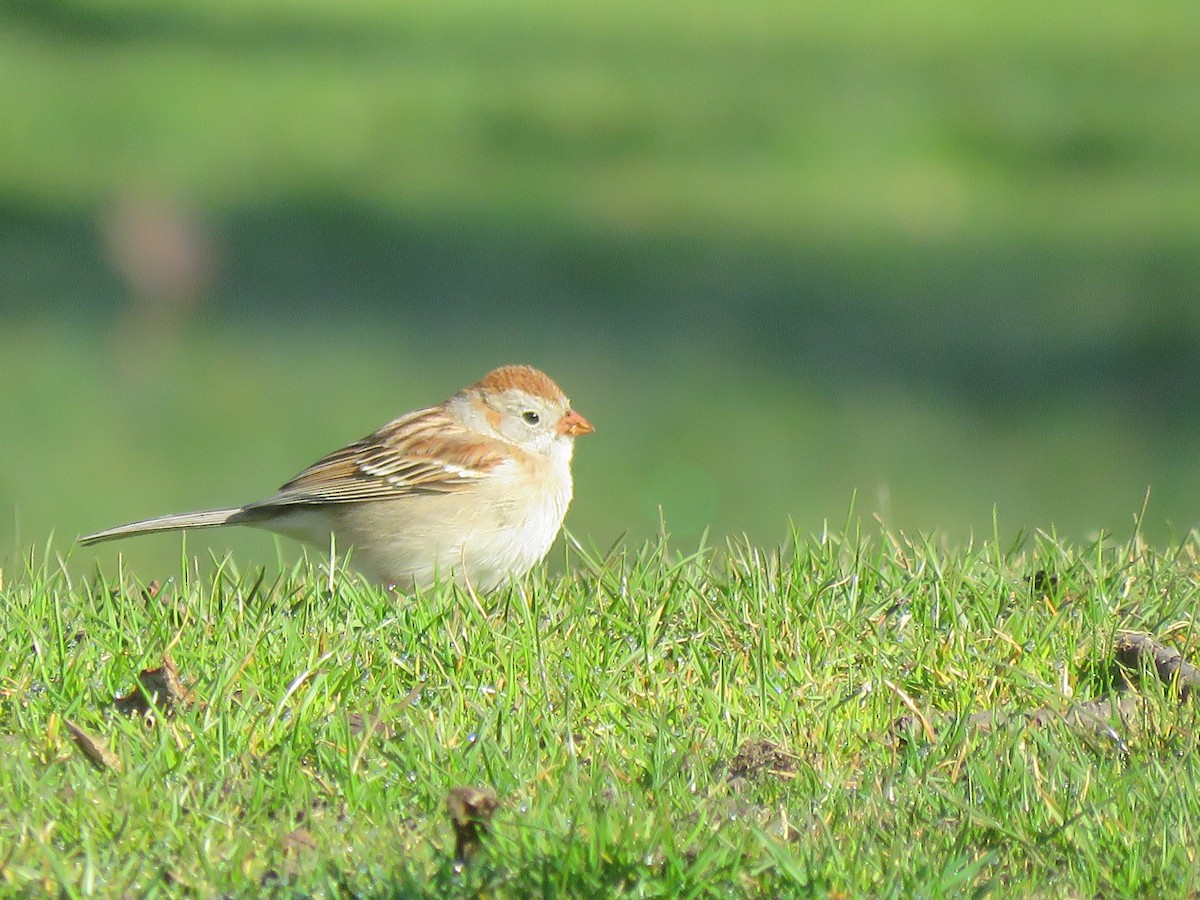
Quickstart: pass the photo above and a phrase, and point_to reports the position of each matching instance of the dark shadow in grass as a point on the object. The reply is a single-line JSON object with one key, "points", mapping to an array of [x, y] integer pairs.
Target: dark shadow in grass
{"points": [[179, 23], [158, 690], [756, 758]]}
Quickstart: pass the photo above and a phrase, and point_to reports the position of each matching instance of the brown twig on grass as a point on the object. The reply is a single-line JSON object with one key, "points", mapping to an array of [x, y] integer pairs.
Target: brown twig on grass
{"points": [[1137, 652], [1134, 653]]}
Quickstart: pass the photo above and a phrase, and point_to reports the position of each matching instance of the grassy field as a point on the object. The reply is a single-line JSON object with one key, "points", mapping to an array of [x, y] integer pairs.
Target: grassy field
{"points": [[653, 724], [927, 270]]}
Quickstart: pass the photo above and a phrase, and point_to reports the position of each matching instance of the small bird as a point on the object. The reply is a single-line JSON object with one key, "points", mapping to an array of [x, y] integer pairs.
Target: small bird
{"points": [[473, 490]]}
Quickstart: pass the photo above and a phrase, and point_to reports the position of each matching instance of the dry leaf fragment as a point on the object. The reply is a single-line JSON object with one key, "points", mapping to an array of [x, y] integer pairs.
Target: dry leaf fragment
{"points": [[158, 689], [93, 748], [298, 840], [367, 726], [471, 811]]}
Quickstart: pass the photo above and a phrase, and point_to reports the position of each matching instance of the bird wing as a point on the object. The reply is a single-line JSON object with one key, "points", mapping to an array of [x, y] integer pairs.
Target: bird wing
{"points": [[424, 452]]}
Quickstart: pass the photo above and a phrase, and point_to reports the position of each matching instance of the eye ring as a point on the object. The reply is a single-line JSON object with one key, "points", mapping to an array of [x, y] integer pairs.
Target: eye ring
{"points": [[531, 417]]}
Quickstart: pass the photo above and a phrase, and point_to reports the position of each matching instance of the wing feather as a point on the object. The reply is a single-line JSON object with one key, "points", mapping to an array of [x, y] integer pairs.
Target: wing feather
{"points": [[424, 452]]}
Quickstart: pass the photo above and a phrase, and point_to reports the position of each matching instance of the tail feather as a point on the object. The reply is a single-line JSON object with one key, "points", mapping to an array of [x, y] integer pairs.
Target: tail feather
{"points": [[206, 519]]}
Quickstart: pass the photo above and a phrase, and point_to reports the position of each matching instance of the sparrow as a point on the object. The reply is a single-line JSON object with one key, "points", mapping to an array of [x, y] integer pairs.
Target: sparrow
{"points": [[471, 491]]}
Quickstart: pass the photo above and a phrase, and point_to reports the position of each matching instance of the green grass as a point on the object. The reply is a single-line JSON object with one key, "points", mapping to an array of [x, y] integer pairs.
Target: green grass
{"points": [[606, 708], [938, 258]]}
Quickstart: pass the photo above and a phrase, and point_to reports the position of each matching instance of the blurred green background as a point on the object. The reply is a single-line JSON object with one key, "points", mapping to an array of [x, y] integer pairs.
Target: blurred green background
{"points": [[940, 256]]}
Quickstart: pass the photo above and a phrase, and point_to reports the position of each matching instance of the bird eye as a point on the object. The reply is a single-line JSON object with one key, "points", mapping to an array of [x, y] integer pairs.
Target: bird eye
{"points": [[531, 417]]}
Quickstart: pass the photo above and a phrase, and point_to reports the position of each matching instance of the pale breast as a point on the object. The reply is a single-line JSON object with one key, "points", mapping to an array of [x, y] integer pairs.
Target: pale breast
{"points": [[495, 531]]}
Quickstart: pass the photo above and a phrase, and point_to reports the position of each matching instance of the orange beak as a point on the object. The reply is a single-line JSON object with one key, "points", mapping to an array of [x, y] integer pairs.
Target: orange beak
{"points": [[573, 424]]}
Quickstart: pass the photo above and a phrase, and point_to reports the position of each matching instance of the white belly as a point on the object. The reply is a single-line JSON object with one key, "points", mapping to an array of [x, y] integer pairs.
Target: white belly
{"points": [[416, 542]]}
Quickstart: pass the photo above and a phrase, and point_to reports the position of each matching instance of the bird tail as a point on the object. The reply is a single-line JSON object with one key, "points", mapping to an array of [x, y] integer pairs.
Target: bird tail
{"points": [[207, 519]]}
